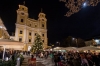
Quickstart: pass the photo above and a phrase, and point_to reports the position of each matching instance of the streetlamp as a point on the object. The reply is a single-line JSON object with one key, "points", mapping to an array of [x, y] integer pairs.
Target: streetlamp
{"points": [[52, 46], [3, 52], [58, 43], [76, 43]]}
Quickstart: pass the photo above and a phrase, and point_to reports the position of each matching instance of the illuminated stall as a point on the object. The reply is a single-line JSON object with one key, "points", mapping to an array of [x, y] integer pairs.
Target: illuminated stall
{"points": [[11, 44]]}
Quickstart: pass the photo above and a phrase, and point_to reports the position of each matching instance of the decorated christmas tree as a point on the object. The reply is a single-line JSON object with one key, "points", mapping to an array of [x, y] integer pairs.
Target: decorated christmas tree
{"points": [[37, 45]]}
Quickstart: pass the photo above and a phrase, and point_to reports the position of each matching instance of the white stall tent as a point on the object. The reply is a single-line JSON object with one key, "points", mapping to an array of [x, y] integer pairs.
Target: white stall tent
{"points": [[11, 44], [89, 48]]}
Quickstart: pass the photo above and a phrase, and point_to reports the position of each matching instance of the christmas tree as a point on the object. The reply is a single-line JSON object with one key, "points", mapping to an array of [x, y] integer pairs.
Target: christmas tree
{"points": [[37, 45]]}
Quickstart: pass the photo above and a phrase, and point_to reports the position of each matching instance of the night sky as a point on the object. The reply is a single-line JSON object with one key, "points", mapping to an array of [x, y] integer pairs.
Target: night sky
{"points": [[84, 24]]}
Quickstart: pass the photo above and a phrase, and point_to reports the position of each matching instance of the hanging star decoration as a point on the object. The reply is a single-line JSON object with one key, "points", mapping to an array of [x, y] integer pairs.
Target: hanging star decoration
{"points": [[75, 6]]}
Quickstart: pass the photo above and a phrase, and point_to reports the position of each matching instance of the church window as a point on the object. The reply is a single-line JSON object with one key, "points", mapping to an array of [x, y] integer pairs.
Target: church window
{"points": [[22, 8], [29, 33], [22, 20], [42, 25], [42, 19], [20, 39], [35, 25], [29, 40], [21, 32], [22, 13], [43, 35], [35, 34], [43, 41], [42, 15]]}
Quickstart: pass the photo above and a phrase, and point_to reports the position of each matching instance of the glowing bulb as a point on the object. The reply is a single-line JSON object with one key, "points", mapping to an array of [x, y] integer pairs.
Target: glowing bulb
{"points": [[84, 4]]}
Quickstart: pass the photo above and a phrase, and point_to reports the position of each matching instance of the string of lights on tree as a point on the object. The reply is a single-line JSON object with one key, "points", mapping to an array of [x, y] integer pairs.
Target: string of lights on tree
{"points": [[37, 45], [75, 6]]}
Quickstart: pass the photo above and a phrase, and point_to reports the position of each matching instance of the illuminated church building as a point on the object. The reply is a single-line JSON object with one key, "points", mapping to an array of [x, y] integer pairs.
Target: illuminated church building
{"points": [[27, 28]]}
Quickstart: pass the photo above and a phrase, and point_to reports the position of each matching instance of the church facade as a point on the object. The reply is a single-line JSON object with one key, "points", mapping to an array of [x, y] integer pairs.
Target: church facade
{"points": [[27, 28]]}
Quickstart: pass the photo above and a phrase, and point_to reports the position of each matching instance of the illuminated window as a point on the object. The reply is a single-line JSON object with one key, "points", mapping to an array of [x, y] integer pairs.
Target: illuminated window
{"points": [[22, 20], [29, 40], [21, 32]]}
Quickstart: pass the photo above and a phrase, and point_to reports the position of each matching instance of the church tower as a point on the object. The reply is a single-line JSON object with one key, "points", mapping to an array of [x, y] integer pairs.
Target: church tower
{"points": [[42, 20], [22, 15], [43, 26]]}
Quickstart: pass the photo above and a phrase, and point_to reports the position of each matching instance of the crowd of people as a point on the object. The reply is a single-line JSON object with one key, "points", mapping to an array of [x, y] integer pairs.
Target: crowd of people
{"points": [[10, 55], [72, 58], [76, 59], [59, 58]]}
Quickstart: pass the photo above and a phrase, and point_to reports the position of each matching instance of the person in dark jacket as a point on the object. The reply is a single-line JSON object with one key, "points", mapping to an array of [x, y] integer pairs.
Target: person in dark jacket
{"points": [[76, 61]]}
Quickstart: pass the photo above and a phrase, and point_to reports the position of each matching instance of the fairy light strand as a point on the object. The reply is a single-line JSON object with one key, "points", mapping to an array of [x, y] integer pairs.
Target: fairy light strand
{"points": [[75, 6]]}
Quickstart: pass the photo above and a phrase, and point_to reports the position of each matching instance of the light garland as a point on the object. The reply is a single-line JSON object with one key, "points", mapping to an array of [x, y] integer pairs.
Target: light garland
{"points": [[75, 6]]}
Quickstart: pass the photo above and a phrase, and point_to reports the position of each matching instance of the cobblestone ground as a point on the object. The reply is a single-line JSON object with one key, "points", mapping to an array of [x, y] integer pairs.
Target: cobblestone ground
{"points": [[40, 62]]}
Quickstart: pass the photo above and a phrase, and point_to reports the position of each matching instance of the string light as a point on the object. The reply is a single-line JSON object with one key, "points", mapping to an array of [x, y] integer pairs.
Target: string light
{"points": [[75, 6]]}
